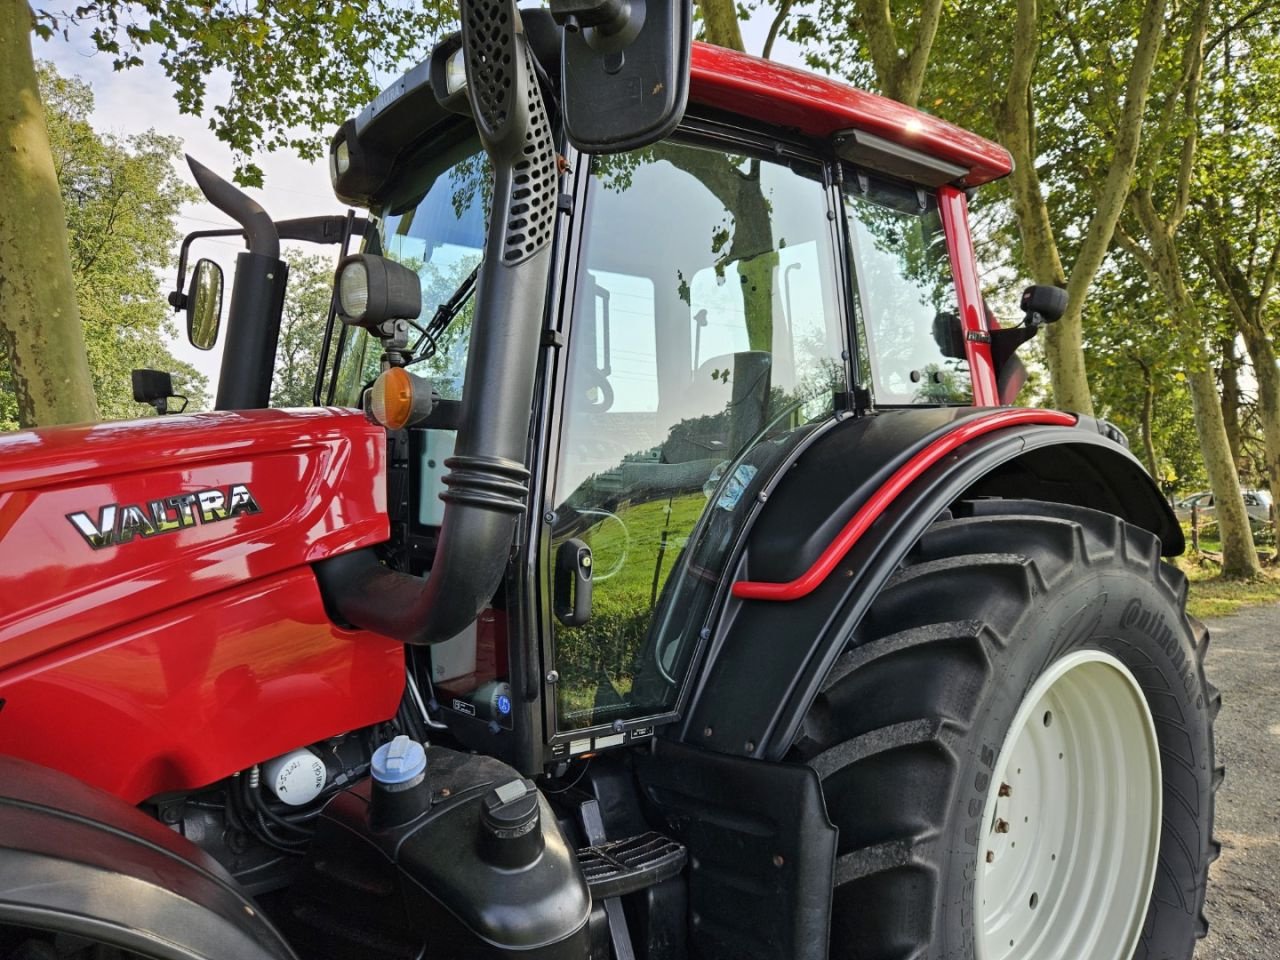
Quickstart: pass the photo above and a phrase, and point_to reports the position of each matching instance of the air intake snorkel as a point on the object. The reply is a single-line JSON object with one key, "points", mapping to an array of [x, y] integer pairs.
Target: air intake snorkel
{"points": [[488, 481]]}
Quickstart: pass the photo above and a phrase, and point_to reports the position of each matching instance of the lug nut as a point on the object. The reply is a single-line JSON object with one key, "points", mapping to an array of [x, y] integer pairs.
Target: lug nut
{"points": [[1002, 826], [1005, 790], [991, 856]]}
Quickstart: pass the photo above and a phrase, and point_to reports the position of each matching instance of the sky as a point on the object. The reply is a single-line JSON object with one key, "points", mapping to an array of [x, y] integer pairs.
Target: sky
{"points": [[133, 101]]}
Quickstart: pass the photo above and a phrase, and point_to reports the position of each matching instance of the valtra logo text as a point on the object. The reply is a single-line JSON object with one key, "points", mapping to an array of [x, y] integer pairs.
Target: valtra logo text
{"points": [[121, 523]]}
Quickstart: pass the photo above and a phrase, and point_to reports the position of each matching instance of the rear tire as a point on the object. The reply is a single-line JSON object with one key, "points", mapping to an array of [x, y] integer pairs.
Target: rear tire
{"points": [[997, 607]]}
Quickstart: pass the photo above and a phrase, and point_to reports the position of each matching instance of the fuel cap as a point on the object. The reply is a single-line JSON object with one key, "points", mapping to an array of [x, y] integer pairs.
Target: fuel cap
{"points": [[511, 824]]}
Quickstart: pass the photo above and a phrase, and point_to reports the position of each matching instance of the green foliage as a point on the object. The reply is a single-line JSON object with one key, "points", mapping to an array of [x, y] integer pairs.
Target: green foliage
{"points": [[121, 198], [306, 306], [295, 66]]}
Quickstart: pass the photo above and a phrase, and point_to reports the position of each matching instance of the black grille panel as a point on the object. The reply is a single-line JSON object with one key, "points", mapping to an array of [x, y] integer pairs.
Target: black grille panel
{"points": [[533, 186]]}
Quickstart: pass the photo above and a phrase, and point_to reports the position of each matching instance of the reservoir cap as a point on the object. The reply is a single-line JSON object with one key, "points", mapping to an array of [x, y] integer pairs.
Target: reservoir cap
{"points": [[399, 762]]}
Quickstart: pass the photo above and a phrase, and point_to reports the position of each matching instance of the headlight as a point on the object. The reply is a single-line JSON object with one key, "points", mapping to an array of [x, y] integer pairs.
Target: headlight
{"points": [[455, 72], [353, 289], [372, 290]]}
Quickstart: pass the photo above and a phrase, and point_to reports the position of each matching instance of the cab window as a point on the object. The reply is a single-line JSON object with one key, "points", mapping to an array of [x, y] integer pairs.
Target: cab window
{"points": [[904, 295], [696, 355]]}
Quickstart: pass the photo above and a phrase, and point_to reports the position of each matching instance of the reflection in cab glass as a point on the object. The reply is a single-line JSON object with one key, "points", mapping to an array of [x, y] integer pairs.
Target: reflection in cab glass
{"points": [[699, 354], [908, 322]]}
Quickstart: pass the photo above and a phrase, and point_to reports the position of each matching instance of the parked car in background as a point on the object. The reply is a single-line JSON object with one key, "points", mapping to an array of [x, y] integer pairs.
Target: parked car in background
{"points": [[1256, 502]]}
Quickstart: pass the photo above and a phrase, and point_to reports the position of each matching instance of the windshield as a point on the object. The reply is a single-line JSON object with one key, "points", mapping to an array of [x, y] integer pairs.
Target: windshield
{"points": [[433, 223]]}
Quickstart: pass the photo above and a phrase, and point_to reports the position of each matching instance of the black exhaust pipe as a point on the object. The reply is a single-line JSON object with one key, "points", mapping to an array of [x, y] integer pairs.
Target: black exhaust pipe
{"points": [[488, 481], [257, 297]]}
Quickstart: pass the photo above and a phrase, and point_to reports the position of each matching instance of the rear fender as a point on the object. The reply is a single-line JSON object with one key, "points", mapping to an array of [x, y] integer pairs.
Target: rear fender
{"points": [[767, 658], [74, 859]]}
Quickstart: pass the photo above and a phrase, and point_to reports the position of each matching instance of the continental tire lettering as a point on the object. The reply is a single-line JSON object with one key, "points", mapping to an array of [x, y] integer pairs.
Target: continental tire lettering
{"points": [[1153, 624], [124, 523]]}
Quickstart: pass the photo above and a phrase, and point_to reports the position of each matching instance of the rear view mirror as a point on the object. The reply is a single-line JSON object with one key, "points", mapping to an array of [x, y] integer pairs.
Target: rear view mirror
{"points": [[626, 70], [204, 305]]}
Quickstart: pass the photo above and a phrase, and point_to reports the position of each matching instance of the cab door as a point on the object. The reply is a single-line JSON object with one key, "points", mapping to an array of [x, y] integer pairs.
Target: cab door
{"points": [[705, 335]]}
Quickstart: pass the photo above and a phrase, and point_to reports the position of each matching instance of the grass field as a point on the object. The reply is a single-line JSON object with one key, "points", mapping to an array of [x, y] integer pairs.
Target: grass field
{"points": [[1212, 595]]}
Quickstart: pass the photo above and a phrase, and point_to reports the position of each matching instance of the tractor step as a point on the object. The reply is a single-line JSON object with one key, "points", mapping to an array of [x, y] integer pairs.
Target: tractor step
{"points": [[618, 867]]}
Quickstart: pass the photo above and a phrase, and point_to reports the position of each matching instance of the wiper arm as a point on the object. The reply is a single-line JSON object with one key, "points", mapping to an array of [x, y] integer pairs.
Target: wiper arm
{"points": [[424, 348]]}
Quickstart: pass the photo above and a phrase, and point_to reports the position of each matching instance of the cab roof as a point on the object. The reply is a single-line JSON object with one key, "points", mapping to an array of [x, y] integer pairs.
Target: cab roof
{"points": [[821, 107]]}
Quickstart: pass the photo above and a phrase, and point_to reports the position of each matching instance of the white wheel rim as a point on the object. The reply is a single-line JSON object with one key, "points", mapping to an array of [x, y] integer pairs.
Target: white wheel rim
{"points": [[1071, 828]]}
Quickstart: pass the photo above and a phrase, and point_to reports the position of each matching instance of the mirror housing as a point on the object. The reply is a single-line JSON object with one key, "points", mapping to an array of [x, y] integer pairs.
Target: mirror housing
{"points": [[204, 305], [625, 67], [155, 387], [1043, 304]]}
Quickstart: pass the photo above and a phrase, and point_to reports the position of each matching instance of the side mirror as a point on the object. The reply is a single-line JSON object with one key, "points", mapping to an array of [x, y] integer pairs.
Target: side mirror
{"points": [[626, 70], [204, 305], [1043, 304]]}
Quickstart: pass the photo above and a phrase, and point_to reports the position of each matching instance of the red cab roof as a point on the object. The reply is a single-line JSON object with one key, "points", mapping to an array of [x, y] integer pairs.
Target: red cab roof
{"points": [[818, 106]]}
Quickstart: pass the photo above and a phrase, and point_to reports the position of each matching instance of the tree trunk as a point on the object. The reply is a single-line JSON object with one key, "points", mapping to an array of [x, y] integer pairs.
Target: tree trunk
{"points": [[1239, 555], [39, 316], [1231, 399], [719, 24], [1262, 353], [1148, 441], [1015, 121], [900, 66]]}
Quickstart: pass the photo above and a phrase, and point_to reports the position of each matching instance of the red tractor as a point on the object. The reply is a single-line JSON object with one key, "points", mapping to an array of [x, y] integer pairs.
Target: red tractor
{"points": [[684, 587]]}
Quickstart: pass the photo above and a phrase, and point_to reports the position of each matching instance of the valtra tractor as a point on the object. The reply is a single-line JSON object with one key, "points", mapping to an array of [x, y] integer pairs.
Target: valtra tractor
{"points": [[683, 583]]}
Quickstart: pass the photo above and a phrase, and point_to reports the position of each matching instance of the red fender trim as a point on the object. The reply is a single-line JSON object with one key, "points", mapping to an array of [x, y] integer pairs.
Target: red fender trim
{"points": [[867, 514]]}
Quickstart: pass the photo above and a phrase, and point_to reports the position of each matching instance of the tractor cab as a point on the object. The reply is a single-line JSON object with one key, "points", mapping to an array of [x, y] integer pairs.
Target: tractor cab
{"points": [[714, 299]]}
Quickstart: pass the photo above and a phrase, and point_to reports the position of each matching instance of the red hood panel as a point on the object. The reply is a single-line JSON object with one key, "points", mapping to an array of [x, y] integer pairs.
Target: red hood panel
{"points": [[282, 488]]}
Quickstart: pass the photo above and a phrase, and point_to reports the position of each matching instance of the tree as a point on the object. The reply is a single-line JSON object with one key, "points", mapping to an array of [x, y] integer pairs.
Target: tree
{"points": [[1154, 213], [1074, 85], [121, 198], [1234, 221], [306, 306], [48, 375], [289, 66]]}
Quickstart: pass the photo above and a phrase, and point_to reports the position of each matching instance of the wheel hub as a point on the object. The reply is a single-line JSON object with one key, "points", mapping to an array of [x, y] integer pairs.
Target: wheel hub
{"points": [[1071, 828]]}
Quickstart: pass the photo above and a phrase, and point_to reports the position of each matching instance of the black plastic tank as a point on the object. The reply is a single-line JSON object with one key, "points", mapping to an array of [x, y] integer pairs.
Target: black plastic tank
{"points": [[480, 872]]}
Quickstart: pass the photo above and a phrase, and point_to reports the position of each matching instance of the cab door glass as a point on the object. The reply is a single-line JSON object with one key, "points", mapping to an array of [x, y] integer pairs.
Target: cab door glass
{"points": [[705, 337], [905, 303]]}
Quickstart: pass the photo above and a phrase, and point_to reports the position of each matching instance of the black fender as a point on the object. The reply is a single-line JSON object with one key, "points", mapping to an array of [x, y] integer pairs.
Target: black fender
{"points": [[76, 860], [767, 659]]}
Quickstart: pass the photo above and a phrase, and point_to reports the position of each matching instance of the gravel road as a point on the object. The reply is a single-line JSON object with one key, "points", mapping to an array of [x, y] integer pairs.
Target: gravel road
{"points": [[1244, 888]]}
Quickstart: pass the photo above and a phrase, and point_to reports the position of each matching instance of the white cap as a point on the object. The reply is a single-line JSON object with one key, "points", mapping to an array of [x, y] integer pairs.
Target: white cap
{"points": [[296, 777]]}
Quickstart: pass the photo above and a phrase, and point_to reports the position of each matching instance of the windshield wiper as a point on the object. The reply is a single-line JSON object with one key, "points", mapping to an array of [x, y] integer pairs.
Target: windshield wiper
{"points": [[424, 348]]}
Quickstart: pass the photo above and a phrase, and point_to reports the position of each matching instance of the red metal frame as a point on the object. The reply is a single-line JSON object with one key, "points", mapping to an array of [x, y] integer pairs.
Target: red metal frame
{"points": [[818, 106], [166, 662], [879, 501], [953, 207]]}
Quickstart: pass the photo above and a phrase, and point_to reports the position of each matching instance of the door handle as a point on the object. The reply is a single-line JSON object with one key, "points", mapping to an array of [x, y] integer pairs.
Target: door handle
{"points": [[572, 598]]}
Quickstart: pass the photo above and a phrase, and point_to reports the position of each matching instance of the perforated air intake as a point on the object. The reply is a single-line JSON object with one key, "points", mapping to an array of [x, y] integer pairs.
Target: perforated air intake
{"points": [[491, 47], [533, 186]]}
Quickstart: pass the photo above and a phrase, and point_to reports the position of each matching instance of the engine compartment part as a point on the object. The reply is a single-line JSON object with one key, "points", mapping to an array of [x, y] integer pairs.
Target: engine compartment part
{"points": [[484, 871], [296, 778]]}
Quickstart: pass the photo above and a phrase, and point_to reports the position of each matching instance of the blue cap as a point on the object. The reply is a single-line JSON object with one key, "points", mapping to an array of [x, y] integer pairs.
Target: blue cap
{"points": [[399, 761]]}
